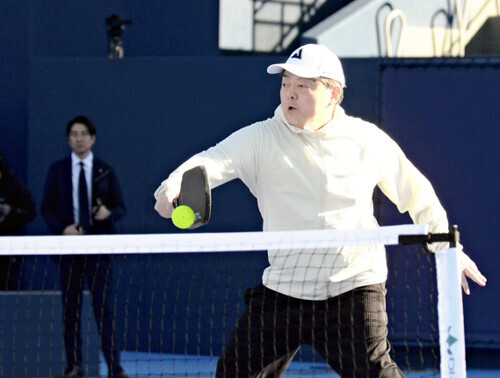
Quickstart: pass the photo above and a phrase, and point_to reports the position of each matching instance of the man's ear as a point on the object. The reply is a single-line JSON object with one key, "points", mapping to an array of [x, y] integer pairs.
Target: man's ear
{"points": [[335, 95]]}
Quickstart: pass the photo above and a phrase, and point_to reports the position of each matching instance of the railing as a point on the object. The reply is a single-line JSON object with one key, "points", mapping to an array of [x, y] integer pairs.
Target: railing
{"points": [[389, 21], [454, 40], [276, 24], [287, 25]]}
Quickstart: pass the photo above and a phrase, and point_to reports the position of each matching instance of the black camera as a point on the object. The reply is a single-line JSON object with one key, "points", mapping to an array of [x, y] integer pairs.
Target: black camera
{"points": [[116, 25]]}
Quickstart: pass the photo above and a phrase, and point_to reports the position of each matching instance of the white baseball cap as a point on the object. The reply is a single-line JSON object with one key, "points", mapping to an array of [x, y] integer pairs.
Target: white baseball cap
{"points": [[311, 61]]}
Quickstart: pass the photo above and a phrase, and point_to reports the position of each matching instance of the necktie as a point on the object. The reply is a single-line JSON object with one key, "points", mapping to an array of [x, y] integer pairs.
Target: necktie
{"points": [[83, 200]]}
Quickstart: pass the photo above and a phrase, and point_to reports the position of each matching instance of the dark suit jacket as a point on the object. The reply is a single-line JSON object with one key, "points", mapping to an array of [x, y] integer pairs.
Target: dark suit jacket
{"points": [[57, 205], [14, 193]]}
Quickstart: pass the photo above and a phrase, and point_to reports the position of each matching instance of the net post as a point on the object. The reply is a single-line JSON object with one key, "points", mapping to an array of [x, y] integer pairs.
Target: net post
{"points": [[450, 310], [454, 236]]}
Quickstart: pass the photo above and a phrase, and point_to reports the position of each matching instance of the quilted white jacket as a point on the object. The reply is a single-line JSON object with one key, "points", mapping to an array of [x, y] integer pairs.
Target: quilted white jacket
{"points": [[306, 180]]}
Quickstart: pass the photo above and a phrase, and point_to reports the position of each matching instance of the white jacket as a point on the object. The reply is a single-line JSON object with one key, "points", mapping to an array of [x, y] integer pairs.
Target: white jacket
{"points": [[305, 180]]}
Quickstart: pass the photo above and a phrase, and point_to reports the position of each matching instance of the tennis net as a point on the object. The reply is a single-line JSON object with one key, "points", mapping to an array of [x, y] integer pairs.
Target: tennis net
{"points": [[177, 297]]}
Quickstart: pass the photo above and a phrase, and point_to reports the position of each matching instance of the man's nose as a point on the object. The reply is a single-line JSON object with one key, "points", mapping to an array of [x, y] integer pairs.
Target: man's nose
{"points": [[290, 93]]}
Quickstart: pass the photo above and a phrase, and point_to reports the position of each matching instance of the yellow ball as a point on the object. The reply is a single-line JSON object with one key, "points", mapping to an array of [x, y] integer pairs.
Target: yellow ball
{"points": [[183, 217]]}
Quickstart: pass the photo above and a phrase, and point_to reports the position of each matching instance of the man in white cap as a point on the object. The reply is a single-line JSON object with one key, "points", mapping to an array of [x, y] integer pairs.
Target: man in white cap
{"points": [[310, 167]]}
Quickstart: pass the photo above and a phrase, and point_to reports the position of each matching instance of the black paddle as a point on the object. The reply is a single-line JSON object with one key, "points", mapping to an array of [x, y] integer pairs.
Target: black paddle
{"points": [[192, 207]]}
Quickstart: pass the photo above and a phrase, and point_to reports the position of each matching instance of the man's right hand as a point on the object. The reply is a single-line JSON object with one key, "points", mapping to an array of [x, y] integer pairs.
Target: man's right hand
{"points": [[164, 205], [72, 229]]}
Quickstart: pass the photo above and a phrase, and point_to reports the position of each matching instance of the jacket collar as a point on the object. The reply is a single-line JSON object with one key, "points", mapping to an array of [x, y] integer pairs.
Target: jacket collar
{"points": [[325, 130]]}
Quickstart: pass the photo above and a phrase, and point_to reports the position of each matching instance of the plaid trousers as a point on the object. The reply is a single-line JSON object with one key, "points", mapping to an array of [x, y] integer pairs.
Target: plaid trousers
{"points": [[349, 331]]}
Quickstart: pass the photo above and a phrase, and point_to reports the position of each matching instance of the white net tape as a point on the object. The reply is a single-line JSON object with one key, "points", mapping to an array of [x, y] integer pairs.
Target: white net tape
{"points": [[204, 242]]}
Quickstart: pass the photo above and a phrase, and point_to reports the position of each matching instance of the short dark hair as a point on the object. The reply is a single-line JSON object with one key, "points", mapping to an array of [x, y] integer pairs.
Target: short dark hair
{"points": [[83, 120]]}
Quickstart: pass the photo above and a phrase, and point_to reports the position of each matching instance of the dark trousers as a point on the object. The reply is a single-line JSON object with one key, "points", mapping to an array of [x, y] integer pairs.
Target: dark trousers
{"points": [[349, 331], [10, 272], [97, 271]]}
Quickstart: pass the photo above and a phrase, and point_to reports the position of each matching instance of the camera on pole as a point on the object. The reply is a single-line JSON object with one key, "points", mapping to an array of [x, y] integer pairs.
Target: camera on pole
{"points": [[116, 26]]}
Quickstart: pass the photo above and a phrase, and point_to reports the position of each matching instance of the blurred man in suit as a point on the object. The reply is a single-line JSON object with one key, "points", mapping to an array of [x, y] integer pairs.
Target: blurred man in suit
{"points": [[16, 209], [82, 196]]}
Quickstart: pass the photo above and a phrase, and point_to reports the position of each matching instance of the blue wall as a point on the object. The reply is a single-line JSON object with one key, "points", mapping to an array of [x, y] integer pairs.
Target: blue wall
{"points": [[445, 116], [77, 28], [153, 113], [14, 30], [175, 94], [159, 28]]}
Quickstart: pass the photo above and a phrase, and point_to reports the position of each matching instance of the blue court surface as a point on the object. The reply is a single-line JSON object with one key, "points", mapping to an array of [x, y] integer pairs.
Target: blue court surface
{"points": [[170, 365]]}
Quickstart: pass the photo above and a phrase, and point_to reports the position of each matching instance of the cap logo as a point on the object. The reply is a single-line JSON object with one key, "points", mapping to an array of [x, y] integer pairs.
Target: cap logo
{"points": [[297, 55]]}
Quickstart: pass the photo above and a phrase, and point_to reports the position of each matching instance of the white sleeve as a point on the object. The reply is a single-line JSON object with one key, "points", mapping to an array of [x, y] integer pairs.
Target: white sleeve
{"points": [[232, 158], [409, 190]]}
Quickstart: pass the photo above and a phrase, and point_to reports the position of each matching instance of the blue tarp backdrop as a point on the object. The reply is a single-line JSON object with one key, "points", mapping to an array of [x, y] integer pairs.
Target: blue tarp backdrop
{"points": [[175, 94], [152, 114]]}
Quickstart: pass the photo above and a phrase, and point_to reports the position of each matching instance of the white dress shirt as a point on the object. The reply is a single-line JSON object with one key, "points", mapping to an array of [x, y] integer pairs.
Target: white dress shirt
{"points": [[75, 175]]}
